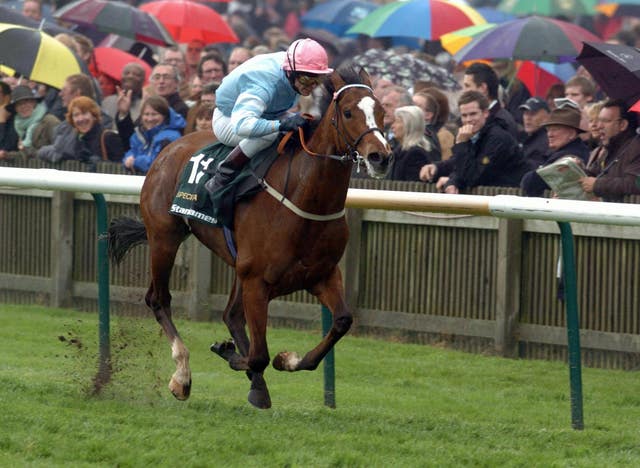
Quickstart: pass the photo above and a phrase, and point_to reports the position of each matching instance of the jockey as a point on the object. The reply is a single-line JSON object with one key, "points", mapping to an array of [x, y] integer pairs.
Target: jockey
{"points": [[252, 103]]}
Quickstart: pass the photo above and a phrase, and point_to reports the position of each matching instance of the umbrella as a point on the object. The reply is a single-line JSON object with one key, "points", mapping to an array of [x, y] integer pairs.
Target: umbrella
{"points": [[36, 55], [533, 38], [453, 41], [492, 15], [116, 17], [111, 61], [404, 69], [336, 16], [426, 19], [548, 7], [615, 67], [188, 21], [619, 9], [12, 16], [539, 76]]}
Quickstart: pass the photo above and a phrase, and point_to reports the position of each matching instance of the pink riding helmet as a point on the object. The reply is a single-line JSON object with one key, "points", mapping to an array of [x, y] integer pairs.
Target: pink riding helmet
{"points": [[306, 55]]}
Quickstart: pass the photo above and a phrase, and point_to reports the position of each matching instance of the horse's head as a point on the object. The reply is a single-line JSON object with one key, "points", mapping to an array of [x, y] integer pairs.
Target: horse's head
{"points": [[357, 117]]}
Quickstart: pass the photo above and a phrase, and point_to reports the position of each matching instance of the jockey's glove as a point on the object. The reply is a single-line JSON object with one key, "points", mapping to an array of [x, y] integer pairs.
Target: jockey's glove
{"points": [[292, 123]]}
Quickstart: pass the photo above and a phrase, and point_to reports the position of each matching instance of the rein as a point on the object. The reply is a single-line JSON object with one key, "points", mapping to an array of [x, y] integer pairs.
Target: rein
{"points": [[351, 155]]}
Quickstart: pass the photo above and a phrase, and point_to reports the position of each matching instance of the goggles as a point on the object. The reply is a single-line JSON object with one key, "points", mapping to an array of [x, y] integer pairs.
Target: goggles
{"points": [[309, 80]]}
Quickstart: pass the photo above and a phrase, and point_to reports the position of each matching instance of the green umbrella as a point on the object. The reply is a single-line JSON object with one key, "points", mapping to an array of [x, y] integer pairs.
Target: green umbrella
{"points": [[548, 7]]}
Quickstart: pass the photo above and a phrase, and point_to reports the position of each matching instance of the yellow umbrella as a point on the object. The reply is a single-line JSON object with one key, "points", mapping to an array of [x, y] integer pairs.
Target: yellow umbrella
{"points": [[453, 41], [36, 55]]}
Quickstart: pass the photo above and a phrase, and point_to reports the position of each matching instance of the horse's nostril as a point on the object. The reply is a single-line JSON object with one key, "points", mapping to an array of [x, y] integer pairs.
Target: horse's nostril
{"points": [[374, 158]]}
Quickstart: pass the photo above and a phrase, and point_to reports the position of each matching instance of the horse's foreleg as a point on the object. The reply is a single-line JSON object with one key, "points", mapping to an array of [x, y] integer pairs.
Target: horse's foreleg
{"points": [[330, 293], [159, 300], [256, 302]]}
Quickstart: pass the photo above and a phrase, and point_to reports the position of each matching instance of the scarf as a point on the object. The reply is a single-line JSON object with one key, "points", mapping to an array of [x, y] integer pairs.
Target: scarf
{"points": [[25, 126]]}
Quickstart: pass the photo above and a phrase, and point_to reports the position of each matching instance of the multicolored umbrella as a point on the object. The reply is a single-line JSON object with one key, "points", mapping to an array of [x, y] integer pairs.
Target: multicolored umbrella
{"points": [[336, 16], [36, 55], [116, 17], [404, 69], [534, 38], [548, 7], [426, 19], [453, 41], [620, 9], [187, 21], [615, 67]]}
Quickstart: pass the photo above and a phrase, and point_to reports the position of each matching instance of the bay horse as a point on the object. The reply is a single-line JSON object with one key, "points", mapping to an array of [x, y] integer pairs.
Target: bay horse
{"points": [[282, 245]]}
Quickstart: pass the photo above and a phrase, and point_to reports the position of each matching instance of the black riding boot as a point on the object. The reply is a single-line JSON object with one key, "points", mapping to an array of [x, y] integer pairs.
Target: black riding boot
{"points": [[227, 170]]}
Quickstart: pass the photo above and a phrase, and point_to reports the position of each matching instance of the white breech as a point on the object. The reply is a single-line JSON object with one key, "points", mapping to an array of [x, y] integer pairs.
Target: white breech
{"points": [[250, 146]]}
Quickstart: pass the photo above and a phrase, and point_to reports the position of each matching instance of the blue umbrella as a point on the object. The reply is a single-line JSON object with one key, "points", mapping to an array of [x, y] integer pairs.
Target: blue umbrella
{"points": [[337, 16], [495, 16]]}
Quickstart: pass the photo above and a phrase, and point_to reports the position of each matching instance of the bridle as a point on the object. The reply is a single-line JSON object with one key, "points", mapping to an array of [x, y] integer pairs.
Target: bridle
{"points": [[351, 155]]}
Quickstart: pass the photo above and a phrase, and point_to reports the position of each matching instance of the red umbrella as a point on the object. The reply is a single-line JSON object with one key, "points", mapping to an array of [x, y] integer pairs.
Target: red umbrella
{"points": [[111, 61], [187, 21]]}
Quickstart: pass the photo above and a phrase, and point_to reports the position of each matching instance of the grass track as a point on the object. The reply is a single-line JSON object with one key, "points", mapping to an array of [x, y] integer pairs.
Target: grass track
{"points": [[398, 404]]}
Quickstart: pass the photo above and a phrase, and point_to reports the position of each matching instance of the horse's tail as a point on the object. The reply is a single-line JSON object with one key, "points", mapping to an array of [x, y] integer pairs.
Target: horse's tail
{"points": [[123, 234]]}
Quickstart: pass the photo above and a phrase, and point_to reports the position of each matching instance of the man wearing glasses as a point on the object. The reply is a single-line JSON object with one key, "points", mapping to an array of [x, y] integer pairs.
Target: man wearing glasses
{"points": [[613, 174], [253, 100], [165, 80]]}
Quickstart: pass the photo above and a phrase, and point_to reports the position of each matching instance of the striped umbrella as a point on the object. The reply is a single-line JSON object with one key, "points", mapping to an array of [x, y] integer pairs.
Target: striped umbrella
{"points": [[533, 38], [116, 17], [426, 19], [36, 55]]}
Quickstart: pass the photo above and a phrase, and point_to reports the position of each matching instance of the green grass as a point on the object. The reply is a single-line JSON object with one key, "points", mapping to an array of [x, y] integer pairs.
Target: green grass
{"points": [[397, 404]]}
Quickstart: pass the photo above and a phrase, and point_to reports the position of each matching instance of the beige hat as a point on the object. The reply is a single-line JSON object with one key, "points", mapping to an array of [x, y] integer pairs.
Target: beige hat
{"points": [[567, 116]]}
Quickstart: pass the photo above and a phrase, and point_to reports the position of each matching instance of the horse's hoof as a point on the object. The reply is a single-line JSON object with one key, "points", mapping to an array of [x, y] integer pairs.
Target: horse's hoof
{"points": [[224, 349], [180, 391], [259, 398], [286, 361]]}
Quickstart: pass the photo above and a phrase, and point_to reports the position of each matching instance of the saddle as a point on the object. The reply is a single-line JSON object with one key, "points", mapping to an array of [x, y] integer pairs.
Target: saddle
{"points": [[193, 201]]}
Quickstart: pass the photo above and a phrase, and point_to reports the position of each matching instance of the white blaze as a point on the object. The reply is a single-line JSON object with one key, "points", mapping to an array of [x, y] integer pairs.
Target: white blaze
{"points": [[367, 105]]}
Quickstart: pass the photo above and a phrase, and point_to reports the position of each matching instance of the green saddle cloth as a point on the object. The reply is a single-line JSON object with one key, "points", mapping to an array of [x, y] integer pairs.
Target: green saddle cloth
{"points": [[193, 201]]}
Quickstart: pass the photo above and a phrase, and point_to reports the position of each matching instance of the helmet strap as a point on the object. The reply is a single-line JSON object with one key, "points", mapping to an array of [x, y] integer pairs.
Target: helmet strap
{"points": [[291, 76]]}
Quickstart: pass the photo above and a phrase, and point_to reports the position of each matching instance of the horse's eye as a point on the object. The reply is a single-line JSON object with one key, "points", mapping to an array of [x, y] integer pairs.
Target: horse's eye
{"points": [[347, 114]]}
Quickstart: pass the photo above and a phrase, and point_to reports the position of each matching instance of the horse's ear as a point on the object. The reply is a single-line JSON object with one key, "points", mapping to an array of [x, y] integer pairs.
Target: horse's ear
{"points": [[364, 76], [336, 80]]}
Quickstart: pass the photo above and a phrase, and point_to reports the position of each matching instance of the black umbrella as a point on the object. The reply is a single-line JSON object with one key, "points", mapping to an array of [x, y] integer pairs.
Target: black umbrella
{"points": [[615, 67], [404, 69], [12, 16]]}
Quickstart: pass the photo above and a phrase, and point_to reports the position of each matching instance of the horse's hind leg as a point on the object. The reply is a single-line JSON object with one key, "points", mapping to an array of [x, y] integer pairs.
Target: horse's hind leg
{"points": [[233, 317], [163, 253], [330, 293]]}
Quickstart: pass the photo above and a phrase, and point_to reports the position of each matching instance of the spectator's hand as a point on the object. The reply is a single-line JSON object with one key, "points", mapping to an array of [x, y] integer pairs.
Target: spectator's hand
{"points": [[3, 154], [128, 163], [441, 182], [292, 123], [464, 133], [123, 102], [452, 189], [428, 172], [587, 183]]}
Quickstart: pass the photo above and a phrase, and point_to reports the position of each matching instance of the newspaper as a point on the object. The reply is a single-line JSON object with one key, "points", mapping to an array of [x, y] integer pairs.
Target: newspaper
{"points": [[563, 177]]}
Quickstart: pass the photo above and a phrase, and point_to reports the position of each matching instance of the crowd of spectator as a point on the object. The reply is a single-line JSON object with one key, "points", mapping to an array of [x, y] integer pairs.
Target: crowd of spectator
{"points": [[491, 132]]}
